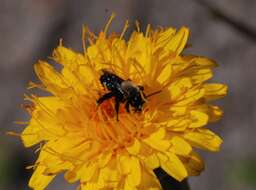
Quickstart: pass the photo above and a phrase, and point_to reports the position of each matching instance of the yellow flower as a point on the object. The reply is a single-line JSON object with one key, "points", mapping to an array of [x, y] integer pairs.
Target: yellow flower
{"points": [[84, 140]]}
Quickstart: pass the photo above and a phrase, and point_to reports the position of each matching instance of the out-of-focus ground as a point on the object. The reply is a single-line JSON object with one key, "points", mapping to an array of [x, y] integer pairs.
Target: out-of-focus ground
{"points": [[30, 29]]}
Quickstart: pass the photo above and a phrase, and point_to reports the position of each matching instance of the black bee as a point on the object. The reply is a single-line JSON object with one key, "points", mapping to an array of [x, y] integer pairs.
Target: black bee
{"points": [[124, 91]]}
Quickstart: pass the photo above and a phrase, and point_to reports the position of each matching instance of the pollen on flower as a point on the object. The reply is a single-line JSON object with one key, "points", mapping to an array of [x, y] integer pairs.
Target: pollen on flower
{"points": [[86, 142]]}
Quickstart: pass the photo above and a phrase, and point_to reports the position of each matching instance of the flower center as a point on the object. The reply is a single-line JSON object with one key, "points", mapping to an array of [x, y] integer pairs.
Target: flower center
{"points": [[107, 110], [112, 134]]}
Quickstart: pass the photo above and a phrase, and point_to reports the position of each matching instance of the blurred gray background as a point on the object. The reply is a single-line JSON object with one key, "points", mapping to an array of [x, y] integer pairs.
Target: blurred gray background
{"points": [[224, 30]]}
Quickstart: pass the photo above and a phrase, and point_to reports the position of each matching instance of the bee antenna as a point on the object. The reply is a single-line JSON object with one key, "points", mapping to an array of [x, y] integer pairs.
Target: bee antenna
{"points": [[154, 93]]}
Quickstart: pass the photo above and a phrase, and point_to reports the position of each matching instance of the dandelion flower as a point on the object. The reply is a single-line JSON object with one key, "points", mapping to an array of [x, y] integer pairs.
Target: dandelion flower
{"points": [[84, 140]]}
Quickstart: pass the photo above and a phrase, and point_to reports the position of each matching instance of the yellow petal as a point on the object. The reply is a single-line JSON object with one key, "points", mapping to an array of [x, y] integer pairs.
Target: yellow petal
{"points": [[203, 62], [193, 163], [110, 174], [199, 62], [178, 41], [43, 125], [179, 124], [90, 186], [149, 181], [100, 53], [191, 96], [215, 113], [139, 48], [74, 80], [39, 181], [201, 75], [88, 171], [199, 119], [87, 75], [165, 73], [163, 37], [178, 87], [134, 177], [75, 173], [127, 186], [55, 158], [47, 74], [204, 139], [53, 81], [119, 53], [152, 161], [198, 69], [180, 146], [55, 165], [68, 57], [156, 141], [122, 164], [103, 159], [30, 136], [178, 110], [92, 52], [71, 176], [135, 148], [70, 147], [215, 91], [174, 167]]}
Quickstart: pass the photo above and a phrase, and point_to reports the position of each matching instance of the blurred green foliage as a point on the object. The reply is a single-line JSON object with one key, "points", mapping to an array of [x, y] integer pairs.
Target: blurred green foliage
{"points": [[242, 172]]}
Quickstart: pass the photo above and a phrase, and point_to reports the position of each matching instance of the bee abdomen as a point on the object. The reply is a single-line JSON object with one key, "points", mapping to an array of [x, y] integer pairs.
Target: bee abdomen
{"points": [[110, 81]]}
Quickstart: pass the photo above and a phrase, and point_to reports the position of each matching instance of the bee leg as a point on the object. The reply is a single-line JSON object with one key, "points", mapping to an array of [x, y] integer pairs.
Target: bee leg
{"points": [[105, 97], [117, 104], [127, 106]]}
